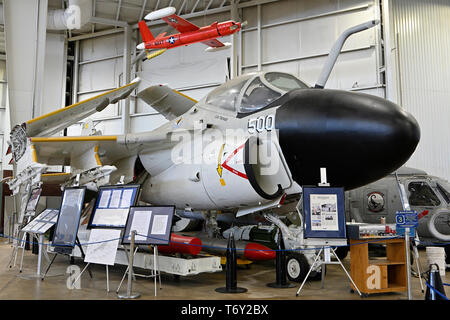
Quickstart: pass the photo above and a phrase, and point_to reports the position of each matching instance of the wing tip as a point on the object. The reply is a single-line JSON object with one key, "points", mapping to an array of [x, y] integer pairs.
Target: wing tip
{"points": [[136, 80], [161, 13]]}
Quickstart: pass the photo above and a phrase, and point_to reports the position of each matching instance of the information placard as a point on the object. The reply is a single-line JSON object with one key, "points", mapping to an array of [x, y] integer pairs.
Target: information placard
{"points": [[103, 246], [112, 206], [324, 213], [68, 219], [34, 199], [153, 224], [44, 221]]}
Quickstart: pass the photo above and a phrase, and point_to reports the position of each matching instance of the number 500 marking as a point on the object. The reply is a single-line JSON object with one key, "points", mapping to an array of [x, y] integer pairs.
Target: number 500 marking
{"points": [[261, 123]]}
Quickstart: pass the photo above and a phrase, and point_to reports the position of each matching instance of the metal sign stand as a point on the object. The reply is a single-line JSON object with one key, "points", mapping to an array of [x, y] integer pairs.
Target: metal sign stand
{"points": [[84, 269], [155, 271], [41, 252], [20, 243], [406, 206], [129, 294], [327, 250], [77, 242]]}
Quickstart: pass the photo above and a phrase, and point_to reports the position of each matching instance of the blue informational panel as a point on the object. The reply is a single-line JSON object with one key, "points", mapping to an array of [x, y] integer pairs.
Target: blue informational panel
{"points": [[153, 225], [406, 219], [112, 206], [324, 213], [68, 219]]}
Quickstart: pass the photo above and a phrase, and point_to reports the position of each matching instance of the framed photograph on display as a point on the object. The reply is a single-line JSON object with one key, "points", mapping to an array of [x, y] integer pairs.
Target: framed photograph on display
{"points": [[68, 219], [153, 225], [112, 206], [34, 199], [324, 212]]}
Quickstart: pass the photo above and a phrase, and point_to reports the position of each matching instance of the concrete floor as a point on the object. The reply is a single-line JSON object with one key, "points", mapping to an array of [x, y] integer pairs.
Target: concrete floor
{"points": [[15, 285]]}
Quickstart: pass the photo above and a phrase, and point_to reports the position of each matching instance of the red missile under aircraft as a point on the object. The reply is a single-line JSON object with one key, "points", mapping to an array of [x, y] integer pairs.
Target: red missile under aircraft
{"points": [[189, 32]]}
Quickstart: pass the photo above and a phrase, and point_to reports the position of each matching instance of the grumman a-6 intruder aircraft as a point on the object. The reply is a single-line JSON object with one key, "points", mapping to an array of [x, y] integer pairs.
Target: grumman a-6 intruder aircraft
{"points": [[246, 147]]}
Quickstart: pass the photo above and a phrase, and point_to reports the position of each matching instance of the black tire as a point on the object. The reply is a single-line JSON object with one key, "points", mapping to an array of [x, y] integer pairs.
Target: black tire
{"points": [[447, 254], [341, 252], [297, 267]]}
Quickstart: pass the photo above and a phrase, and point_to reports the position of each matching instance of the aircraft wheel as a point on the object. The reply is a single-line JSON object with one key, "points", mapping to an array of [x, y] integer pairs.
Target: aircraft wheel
{"points": [[297, 267]]}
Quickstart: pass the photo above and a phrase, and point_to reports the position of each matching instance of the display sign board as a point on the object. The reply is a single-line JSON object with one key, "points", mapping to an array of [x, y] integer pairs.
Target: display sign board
{"points": [[406, 219], [112, 206], [153, 224], [103, 246], [68, 219], [44, 221], [34, 199], [324, 214]]}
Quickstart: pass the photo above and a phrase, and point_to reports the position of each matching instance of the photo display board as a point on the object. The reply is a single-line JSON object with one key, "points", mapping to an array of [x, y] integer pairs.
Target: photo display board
{"points": [[34, 199], [68, 219], [153, 225], [324, 212], [102, 250], [112, 206], [44, 221]]}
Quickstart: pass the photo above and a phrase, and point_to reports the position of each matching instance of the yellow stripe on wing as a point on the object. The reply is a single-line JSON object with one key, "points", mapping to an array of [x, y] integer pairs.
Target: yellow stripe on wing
{"points": [[65, 139], [76, 104], [187, 97], [55, 174]]}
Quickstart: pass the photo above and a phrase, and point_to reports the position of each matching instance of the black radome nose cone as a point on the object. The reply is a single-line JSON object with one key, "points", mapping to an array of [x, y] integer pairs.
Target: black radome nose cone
{"points": [[359, 138]]}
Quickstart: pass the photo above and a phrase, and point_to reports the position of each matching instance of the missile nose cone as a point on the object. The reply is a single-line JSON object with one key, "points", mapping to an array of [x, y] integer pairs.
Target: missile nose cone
{"points": [[258, 252], [359, 138]]}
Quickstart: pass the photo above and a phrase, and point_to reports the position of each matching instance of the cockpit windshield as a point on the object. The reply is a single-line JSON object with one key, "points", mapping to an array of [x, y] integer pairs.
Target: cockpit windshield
{"points": [[251, 92]]}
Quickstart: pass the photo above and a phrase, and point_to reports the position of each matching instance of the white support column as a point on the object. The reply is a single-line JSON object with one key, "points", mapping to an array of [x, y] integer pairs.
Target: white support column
{"points": [[389, 66], [25, 35], [259, 36], [234, 41], [40, 58], [76, 68], [126, 78]]}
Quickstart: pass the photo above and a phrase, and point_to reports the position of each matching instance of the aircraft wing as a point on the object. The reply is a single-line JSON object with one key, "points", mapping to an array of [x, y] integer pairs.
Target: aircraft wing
{"points": [[57, 120], [180, 24], [213, 43], [78, 152], [89, 151], [167, 101]]}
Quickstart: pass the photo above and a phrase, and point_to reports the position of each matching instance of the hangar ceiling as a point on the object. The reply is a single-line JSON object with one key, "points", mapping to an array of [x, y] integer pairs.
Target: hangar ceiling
{"points": [[132, 11]]}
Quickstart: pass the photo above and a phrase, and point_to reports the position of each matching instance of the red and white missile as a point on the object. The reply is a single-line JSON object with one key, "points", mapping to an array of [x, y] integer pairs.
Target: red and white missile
{"points": [[193, 245], [246, 250], [182, 244]]}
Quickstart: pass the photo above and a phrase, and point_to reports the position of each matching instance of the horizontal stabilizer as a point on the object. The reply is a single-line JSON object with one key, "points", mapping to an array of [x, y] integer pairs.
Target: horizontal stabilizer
{"points": [[170, 103]]}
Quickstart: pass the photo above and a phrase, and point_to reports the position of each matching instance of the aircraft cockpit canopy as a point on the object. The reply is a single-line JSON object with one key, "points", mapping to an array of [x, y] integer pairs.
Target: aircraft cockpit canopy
{"points": [[251, 92]]}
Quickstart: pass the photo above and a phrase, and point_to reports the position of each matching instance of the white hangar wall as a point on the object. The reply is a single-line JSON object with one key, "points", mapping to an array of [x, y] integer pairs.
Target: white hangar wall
{"points": [[295, 37], [420, 58]]}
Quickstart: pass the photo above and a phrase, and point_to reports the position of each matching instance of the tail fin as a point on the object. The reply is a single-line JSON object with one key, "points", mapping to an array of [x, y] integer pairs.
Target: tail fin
{"points": [[145, 32]]}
